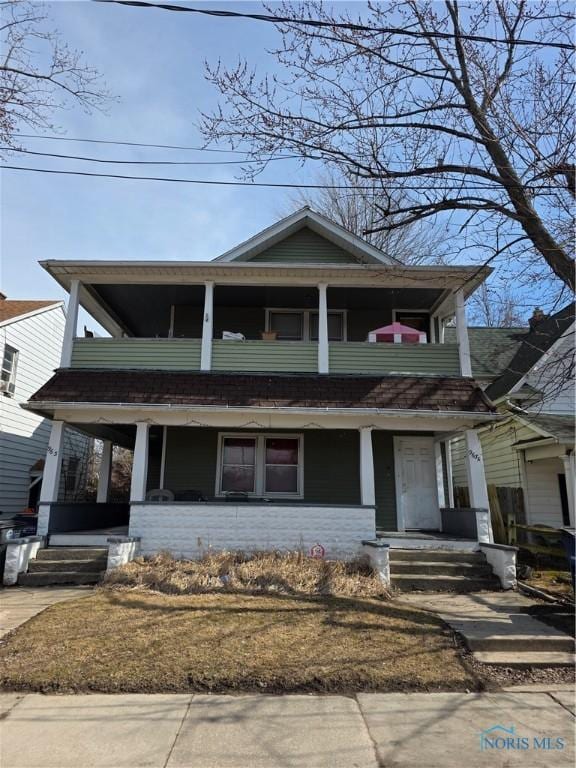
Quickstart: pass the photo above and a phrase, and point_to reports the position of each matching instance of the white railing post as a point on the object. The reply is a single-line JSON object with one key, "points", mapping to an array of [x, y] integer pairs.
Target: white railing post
{"points": [[103, 491], [367, 488], [140, 463], [462, 335], [71, 324], [207, 327], [323, 352]]}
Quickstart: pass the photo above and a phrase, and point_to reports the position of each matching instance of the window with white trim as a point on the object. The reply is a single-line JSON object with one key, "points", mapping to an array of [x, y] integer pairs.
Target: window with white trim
{"points": [[260, 465], [302, 324], [8, 374]]}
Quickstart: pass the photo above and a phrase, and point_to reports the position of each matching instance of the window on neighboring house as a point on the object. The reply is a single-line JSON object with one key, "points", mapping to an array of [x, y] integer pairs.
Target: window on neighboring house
{"points": [[260, 465], [9, 365], [71, 475], [302, 325]]}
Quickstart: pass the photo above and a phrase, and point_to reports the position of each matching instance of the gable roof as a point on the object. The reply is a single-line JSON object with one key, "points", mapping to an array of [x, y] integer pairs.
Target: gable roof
{"points": [[491, 349], [360, 251], [536, 343], [15, 309], [559, 427]]}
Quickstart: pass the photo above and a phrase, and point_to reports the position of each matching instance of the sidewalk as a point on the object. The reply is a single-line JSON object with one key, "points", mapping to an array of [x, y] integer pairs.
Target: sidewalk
{"points": [[436, 730], [19, 604]]}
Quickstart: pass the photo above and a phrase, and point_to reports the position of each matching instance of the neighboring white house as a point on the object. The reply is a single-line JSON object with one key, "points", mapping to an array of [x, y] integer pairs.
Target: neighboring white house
{"points": [[532, 449], [31, 334]]}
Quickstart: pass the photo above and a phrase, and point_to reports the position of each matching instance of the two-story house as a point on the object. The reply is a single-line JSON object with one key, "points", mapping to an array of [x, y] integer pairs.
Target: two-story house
{"points": [[296, 391], [31, 334]]}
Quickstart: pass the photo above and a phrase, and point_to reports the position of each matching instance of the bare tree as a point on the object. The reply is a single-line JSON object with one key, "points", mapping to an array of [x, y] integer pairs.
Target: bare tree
{"points": [[467, 111], [495, 307], [358, 213], [39, 73]]}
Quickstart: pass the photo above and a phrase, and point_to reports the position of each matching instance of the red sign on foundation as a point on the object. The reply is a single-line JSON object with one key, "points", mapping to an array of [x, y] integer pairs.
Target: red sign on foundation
{"points": [[317, 550]]}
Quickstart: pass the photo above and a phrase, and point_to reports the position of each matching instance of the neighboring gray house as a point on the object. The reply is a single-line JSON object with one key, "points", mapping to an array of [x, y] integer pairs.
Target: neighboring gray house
{"points": [[31, 334], [528, 374]]}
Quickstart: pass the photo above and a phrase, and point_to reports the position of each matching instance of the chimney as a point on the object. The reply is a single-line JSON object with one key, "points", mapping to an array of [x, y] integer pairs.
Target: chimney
{"points": [[537, 317]]}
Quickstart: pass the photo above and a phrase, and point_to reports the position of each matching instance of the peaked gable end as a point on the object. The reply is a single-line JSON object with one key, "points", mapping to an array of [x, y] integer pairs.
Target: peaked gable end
{"points": [[305, 247]]}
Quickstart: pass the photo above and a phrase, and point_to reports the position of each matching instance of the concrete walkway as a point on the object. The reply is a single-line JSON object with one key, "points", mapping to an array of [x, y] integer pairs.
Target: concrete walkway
{"points": [[498, 629], [18, 604], [437, 730]]}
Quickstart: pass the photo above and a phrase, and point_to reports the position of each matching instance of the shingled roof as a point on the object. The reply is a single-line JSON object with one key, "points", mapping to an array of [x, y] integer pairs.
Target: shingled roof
{"points": [[541, 338], [12, 309], [491, 349], [185, 388]]}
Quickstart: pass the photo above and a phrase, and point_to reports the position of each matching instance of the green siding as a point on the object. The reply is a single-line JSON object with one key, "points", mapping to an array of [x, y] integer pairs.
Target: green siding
{"points": [[154, 458], [170, 354], [262, 356], [394, 358], [384, 480], [331, 463], [305, 247]]}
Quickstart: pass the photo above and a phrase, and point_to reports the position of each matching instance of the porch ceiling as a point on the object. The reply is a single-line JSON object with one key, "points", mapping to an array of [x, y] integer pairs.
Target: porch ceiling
{"points": [[144, 310]]}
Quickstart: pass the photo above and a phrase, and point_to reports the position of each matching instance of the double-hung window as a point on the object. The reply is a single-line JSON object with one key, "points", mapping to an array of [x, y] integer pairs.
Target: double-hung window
{"points": [[8, 375], [260, 465], [302, 324]]}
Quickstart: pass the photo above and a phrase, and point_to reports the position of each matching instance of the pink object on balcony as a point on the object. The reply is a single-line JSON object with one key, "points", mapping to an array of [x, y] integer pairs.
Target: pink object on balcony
{"points": [[396, 333]]}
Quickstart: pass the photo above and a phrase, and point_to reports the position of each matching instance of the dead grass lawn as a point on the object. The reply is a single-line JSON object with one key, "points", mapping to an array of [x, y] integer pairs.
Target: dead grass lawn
{"points": [[136, 641]]}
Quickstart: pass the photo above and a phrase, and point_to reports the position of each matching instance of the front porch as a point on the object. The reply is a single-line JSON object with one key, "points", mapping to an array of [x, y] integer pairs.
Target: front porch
{"points": [[316, 489]]}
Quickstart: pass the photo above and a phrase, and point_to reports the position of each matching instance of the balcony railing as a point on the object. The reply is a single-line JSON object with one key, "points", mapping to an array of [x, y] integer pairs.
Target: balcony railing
{"points": [[267, 356]]}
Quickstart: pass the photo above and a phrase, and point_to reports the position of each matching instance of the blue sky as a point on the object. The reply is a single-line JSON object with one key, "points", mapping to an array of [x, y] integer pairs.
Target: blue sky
{"points": [[152, 61]]}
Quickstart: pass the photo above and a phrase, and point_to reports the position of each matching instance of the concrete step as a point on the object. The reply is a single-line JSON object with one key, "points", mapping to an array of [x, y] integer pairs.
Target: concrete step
{"points": [[72, 553], [436, 583], [525, 660], [520, 643], [430, 568], [61, 577], [67, 566], [438, 555]]}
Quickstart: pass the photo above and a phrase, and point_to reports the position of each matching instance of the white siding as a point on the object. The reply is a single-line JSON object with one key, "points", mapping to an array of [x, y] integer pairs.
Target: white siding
{"points": [[544, 504], [552, 376], [24, 435]]}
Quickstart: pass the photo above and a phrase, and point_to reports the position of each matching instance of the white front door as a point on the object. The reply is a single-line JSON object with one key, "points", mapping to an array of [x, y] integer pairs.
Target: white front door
{"points": [[416, 485]]}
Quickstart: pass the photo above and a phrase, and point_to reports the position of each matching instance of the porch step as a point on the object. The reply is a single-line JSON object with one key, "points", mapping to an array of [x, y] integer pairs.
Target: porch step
{"points": [[441, 583], [474, 570], [526, 660], [71, 553], [62, 577], [435, 555], [478, 640], [67, 566]]}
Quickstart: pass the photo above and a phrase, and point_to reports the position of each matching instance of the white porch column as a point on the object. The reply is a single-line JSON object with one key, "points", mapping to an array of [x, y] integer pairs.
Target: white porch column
{"points": [[440, 474], [53, 463], [323, 360], [103, 492], [71, 323], [207, 327], [569, 471], [462, 335], [140, 463], [367, 488], [475, 470]]}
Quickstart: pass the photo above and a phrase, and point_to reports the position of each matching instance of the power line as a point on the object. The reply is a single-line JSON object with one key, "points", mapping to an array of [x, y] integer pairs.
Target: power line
{"points": [[335, 25], [144, 162], [274, 185], [131, 144]]}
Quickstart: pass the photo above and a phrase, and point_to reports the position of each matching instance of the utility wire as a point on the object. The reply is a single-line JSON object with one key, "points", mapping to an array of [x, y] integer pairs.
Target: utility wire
{"points": [[219, 182], [336, 25], [143, 162]]}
